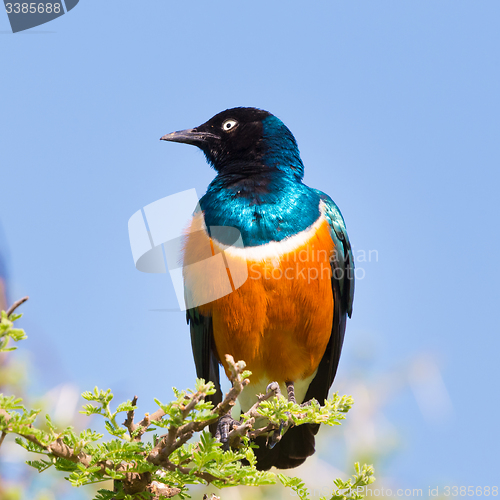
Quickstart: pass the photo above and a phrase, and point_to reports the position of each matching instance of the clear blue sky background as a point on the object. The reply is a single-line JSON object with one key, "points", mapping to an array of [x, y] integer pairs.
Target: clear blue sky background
{"points": [[395, 106]]}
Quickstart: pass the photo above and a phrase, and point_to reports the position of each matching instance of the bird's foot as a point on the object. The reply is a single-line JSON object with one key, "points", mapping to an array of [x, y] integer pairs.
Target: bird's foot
{"points": [[308, 403], [275, 387], [275, 437], [224, 427]]}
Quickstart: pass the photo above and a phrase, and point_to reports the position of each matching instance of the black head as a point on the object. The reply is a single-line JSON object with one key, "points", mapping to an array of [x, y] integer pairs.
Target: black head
{"points": [[243, 139]]}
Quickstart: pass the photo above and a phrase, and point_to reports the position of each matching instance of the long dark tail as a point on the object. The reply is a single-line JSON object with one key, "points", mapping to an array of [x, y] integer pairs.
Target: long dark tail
{"points": [[295, 446]]}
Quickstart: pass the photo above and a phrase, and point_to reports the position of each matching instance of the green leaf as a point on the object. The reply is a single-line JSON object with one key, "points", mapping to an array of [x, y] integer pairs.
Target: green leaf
{"points": [[296, 484]]}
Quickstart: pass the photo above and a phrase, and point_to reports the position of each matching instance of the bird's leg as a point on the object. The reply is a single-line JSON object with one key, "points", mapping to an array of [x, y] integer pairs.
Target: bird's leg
{"points": [[291, 395], [290, 389], [224, 427], [275, 437]]}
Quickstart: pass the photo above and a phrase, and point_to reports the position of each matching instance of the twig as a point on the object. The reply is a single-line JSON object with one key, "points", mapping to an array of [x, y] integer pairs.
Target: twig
{"points": [[140, 428], [58, 448], [186, 470], [236, 433], [195, 399], [177, 436], [129, 421], [15, 305], [241, 430], [238, 385], [263, 430], [272, 392], [154, 417], [2, 437]]}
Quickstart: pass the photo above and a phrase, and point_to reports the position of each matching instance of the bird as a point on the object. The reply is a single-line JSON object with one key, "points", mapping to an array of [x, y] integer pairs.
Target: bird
{"points": [[287, 321]]}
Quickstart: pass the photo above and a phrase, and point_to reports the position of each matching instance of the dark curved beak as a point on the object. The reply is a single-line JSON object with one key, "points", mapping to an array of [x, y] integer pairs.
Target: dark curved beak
{"points": [[190, 136]]}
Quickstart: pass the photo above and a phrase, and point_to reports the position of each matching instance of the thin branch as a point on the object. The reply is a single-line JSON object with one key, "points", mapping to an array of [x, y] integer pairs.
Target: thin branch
{"points": [[58, 448], [140, 428], [237, 432], [154, 417], [194, 400], [238, 385], [129, 421], [15, 305], [186, 470], [143, 425], [177, 436], [263, 430], [272, 392]]}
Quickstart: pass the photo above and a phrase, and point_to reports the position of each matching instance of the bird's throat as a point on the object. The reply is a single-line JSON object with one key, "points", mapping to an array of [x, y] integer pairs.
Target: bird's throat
{"points": [[262, 207]]}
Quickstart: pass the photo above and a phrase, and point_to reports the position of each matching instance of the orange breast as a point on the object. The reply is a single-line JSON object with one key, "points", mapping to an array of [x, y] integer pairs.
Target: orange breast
{"points": [[279, 320]]}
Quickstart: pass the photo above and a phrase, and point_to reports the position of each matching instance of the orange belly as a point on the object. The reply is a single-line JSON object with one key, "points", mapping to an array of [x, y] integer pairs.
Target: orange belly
{"points": [[279, 320]]}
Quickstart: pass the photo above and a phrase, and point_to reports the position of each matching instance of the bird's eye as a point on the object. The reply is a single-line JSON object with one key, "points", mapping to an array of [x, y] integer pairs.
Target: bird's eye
{"points": [[229, 124]]}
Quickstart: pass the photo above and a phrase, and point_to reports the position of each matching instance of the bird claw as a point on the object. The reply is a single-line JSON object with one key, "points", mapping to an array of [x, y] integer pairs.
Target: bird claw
{"points": [[308, 403], [224, 427], [275, 387], [275, 437]]}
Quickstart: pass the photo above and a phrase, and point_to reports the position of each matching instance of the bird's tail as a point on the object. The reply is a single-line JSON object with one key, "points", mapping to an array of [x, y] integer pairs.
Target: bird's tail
{"points": [[295, 446]]}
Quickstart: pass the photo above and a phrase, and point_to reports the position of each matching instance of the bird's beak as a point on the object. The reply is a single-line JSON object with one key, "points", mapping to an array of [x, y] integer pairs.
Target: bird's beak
{"points": [[190, 136]]}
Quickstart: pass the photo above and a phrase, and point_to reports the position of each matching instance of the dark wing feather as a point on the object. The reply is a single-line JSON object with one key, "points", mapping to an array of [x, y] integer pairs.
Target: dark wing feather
{"points": [[342, 263], [204, 351], [298, 442]]}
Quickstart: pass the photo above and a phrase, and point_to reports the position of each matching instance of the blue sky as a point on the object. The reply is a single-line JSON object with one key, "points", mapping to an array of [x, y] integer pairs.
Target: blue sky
{"points": [[395, 106]]}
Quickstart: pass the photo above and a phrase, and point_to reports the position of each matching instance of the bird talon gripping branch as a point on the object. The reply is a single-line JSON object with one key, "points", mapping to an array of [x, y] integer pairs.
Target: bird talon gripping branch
{"points": [[224, 426], [274, 387], [285, 315]]}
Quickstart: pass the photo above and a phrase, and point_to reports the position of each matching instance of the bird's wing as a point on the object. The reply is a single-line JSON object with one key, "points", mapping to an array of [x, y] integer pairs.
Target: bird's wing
{"points": [[204, 351], [298, 442], [342, 263]]}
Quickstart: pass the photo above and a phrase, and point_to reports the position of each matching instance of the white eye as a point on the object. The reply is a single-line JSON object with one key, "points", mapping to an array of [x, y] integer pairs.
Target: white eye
{"points": [[229, 124]]}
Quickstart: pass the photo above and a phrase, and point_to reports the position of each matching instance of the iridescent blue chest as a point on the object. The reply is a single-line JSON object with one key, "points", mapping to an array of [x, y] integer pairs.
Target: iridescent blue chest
{"points": [[263, 210]]}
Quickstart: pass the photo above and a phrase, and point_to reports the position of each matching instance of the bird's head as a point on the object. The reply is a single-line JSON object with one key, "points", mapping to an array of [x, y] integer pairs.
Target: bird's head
{"points": [[242, 141]]}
